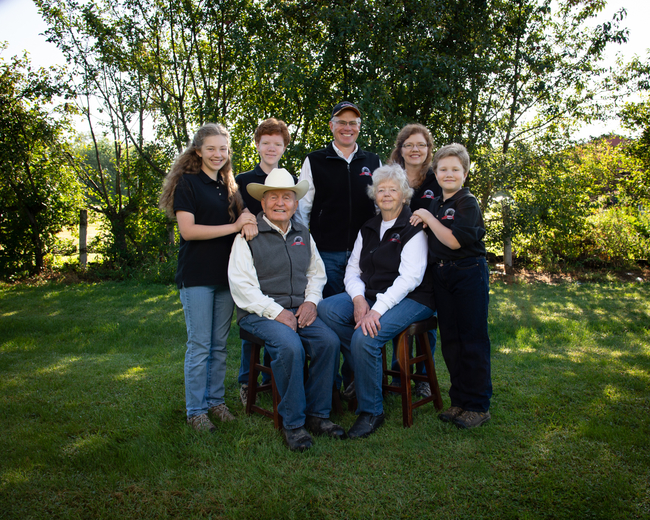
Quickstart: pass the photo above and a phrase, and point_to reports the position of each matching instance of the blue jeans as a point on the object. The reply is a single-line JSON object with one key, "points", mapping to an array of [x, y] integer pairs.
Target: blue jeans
{"points": [[363, 352], [208, 313], [335, 264], [461, 289], [287, 349], [245, 363]]}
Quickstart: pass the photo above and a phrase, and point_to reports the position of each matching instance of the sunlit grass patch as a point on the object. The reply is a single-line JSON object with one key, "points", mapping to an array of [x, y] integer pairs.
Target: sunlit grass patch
{"points": [[92, 407]]}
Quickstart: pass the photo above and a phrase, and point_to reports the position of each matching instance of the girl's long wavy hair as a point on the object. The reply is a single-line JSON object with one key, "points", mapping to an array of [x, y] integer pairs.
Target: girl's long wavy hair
{"points": [[190, 162], [396, 156]]}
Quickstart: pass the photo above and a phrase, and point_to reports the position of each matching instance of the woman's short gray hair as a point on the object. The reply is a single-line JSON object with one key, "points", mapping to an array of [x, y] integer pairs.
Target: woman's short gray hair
{"points": [[391, 172]]}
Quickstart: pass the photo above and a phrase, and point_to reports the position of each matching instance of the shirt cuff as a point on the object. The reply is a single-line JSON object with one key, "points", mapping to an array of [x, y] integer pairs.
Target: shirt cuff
{"points": [[272, 311], [379, 307]]}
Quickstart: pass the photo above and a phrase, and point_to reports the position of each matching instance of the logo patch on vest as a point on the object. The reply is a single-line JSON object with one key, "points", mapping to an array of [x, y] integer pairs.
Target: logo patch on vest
{"points": [[428, 195], [298, 241], [365, 172], [396, 238], [449, 214]]}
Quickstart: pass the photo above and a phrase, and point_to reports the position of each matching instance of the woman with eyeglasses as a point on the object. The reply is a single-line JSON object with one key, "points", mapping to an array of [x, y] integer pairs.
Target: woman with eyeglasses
{"points": [[413, 151]]}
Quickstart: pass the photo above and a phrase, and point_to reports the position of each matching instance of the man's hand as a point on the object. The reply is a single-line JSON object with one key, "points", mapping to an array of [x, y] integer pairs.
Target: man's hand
{"points": [[361, 308], [369, 324], [306, 314], [288, 319]]}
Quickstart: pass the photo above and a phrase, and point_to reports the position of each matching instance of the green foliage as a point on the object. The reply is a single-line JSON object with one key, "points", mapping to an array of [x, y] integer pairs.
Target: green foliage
{"points": [[39, 193], [618, 236], [564, 207], [509, 79]]}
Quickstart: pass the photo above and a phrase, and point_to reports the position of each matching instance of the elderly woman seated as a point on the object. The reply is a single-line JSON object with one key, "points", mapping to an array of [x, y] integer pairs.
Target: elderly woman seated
{"points": [[386, 290]]}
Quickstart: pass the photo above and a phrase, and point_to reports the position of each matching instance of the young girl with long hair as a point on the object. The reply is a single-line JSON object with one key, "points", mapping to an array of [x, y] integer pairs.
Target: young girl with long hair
{"points": [[200, 191]]}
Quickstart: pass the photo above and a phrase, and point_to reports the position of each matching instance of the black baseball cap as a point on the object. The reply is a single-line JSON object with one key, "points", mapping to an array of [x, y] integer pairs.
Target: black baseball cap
{"points": [[345, 105]]}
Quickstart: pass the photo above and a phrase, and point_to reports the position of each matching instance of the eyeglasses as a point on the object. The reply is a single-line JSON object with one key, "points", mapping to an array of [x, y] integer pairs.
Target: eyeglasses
{"points": [[411, 146], [342, 124]]}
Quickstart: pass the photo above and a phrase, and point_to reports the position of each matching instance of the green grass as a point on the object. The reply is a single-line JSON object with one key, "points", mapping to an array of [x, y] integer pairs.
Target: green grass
{"points": [[92, 410]]}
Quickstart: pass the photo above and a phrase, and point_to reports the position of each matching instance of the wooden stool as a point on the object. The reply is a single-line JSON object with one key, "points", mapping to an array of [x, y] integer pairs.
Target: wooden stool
{"points": [[418, 330], [254, 388], [256, 366]]}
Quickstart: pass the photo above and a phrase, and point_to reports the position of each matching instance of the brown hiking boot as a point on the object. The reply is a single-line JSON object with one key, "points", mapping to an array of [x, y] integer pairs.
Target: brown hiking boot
{"points": [[201, 423], [221, 411], [469, 419], [450, 414]]}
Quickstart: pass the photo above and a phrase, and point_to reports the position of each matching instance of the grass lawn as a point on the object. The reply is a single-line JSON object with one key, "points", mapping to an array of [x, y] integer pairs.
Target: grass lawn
{"points": [[93, 421]]}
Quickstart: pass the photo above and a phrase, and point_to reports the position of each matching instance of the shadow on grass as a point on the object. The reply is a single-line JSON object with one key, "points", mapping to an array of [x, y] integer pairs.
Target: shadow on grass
{"points": [[92, 404]]}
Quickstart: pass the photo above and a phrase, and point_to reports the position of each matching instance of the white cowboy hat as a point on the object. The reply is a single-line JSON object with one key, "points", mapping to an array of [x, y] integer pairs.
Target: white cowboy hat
{"points": [[278, 179]]}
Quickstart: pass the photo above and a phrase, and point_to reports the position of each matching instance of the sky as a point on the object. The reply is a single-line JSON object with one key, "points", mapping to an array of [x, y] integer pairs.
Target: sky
{"points": [[22, 27]]}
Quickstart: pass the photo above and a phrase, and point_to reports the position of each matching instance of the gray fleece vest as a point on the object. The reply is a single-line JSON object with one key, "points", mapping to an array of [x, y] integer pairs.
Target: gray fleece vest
{"points": [[281, 264]]}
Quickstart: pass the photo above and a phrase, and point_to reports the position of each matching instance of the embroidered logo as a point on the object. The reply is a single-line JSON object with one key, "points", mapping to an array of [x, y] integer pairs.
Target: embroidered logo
{"points": [[449, 214], [365, 172], [396, 238], [298, 241], [428, 195]]}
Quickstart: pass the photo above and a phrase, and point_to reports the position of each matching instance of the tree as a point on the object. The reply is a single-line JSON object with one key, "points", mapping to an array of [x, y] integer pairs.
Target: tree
{"points": [[499, 76], [39, 194]]}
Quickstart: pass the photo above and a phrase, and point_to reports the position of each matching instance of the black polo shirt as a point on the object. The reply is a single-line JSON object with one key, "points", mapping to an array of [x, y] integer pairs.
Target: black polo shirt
{"points": [[426, 192], [461, 214], [203, 262]]}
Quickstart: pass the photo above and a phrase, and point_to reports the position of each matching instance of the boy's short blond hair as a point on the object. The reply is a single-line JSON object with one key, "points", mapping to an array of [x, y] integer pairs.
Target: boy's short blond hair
{"points": [[452, 150]]}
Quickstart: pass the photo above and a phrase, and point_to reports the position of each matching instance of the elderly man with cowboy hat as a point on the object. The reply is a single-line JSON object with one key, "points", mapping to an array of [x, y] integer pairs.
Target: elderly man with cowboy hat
{"points": [[277, 281]]}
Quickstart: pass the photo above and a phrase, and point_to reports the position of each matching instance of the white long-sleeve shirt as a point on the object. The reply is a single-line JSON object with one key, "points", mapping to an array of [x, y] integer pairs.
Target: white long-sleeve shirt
{"points": [[245, 286], [413, 264]]}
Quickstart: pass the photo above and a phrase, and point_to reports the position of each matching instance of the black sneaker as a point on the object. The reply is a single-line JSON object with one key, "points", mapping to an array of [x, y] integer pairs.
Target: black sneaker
{"points": [[349, 393], [320, 426], [422, 389], [298, 439], [365, 425]]}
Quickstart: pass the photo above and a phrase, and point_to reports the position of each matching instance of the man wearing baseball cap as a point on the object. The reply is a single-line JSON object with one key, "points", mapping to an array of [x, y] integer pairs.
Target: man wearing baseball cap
{"points": [[336, 203], [276, 281]]}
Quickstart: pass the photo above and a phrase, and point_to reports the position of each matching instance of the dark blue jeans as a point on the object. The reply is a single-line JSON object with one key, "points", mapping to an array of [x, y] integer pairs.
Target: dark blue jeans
{"points": [[461, 289], [287, 349], [335, 264], [363, 353]]}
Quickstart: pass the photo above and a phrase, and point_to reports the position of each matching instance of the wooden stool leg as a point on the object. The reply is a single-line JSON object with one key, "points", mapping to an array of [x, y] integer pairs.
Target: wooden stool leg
{"points": [[431, 370], [404, 356], [253, 372]]}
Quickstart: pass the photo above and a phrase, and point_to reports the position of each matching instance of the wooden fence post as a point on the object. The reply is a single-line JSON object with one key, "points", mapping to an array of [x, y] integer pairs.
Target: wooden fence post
{"points": [[171, 233], [83, 233]]}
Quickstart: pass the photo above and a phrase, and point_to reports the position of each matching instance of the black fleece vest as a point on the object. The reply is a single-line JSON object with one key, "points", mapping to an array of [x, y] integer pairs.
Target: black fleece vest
{"points": [[380, 260], [281, 265], [341, 202]]}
